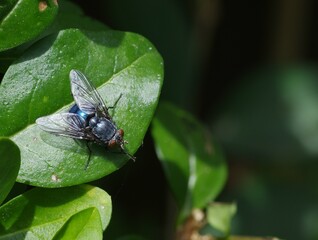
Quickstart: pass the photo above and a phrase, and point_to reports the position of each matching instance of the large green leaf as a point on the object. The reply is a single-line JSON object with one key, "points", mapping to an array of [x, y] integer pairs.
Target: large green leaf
{"points": [[193, 165], [9, 166], [118, 63], [40, 213], [21, 21]]}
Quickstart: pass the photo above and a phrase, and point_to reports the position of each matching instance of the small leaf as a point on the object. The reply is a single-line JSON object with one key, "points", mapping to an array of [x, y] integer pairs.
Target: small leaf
{"points": [[83, 225], [9, 166], [118, 63], [195, 168], [22, 21], [219, 216], [40, 213]]}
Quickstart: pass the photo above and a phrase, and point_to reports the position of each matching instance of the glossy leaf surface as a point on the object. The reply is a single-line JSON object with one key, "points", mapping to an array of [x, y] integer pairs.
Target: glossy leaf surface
{"points": [[194, 166], [22, 21], [40, 213], [118, 64], [9, 166]]}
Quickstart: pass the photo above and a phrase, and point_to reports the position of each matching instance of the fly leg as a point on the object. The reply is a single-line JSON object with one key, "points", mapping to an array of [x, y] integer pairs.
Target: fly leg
{"points": [[123, 151], [113, 107], [116, 101], [89, 139]]}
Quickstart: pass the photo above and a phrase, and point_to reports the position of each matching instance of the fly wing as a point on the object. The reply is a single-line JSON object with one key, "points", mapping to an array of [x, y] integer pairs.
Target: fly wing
{"points": [[86, 96], [64, 124]]}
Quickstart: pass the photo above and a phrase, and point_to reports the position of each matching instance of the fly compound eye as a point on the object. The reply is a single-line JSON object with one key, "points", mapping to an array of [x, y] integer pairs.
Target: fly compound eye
{"points": [[121, 132], [119, 136]]}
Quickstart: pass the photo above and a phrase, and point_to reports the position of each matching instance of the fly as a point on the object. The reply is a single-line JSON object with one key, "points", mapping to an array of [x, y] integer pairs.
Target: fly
{"points": [[88, 119]]}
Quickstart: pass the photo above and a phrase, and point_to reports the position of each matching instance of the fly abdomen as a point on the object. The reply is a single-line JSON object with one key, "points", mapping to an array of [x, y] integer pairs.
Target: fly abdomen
{"points": [[75, 109]]}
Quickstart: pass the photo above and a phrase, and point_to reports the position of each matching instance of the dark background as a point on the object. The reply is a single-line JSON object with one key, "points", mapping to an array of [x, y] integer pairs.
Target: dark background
{"points": [[247, 70]]}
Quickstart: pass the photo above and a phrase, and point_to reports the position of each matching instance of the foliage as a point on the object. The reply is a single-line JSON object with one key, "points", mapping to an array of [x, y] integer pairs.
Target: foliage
{"points": [[9, 166], [46, 213], [194, 166], [130, 67], [36, 83], [36, 56]]}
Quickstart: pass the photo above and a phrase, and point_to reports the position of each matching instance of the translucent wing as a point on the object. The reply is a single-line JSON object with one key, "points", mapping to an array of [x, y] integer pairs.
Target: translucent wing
{"points": [[64, 124], [86, 96]]}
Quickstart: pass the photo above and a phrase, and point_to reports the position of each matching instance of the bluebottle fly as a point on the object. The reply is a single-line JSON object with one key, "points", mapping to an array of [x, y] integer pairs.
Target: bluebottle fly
{"points": [[88, 119]]}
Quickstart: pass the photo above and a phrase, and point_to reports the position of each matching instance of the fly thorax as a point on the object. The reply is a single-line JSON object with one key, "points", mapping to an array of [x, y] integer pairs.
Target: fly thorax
{"points": [[103, 129]]}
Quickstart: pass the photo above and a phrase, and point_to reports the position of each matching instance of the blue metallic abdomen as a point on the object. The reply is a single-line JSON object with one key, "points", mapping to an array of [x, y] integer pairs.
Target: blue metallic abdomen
{"points": [[75, 109]]}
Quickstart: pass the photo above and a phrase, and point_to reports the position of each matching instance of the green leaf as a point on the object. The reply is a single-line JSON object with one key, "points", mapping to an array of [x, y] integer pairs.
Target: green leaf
{"points": [[69, 16], [83, 225], [9, 166], [219, 216], [40, 213], [194, 166], [118, 63], [21, 21]]}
